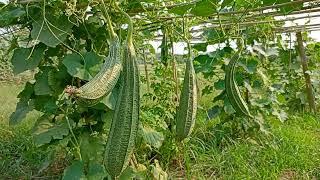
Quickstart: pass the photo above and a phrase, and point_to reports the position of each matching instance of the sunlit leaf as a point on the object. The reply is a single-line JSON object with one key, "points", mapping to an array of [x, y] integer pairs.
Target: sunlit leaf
{"points": [[181, 10], [204, 8]]}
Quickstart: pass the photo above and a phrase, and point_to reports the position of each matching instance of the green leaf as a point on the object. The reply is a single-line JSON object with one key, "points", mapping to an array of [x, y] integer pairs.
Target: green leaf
{"points": [[84, 68], [292, 7], [249, 64], [181, 10], [207, 90], [42, 87], [219, 85], [27, 92], [282, 115], [96, 171], [9, 15], [203, 63], [58, 79], [214, 112], [214, 35], [74, 172], [22, 109], [25, 59], [204, 8], [46, 104], [45, 130], [91, 148], [200, 47], [152, 137], [284, 9], [52, 30], [128, 173], [228, 107], [24, 106], [220, 97]]}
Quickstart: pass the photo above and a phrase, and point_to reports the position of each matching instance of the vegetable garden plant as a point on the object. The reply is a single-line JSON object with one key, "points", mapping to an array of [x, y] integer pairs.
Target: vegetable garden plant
{"points": [[118, 110]]}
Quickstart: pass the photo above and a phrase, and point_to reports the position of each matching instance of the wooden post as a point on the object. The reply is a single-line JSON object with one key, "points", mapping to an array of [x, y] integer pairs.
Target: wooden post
{"points": [[304, 63]]}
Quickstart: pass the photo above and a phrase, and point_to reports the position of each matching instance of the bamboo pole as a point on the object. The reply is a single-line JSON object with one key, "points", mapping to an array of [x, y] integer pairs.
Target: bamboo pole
{"points": [[304, 63]]}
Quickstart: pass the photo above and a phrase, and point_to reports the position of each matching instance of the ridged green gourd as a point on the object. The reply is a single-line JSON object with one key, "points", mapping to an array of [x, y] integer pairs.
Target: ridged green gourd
{"points": [[232, 89], [103, 83], [187, 109], [124, 127]]}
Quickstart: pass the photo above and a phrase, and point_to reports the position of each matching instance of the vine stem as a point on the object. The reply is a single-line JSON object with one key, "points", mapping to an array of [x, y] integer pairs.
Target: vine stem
{"points": [[130, 24], [108, 19], [75, 144]]}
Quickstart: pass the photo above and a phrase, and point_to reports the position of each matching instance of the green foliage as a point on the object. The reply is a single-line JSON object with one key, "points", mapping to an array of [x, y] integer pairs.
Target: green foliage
{"points": [[44, 130], [64, 43], [84, 67], [27, 58], [49, 29]]}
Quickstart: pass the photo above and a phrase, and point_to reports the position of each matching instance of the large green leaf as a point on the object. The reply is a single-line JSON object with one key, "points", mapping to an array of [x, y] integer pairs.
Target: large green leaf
{"points": [[42, 87], [152, 137], [91, 147], [85, 67], [204, 8], [96, 171], [249, 64], [181, 10], [214, 112], [201, 46], [45, 104], [51, 30], [9, 15], [26, 59], [228, 107], [46, 130], [24, 106], [74, 172], [203, 63], [22, 109]]}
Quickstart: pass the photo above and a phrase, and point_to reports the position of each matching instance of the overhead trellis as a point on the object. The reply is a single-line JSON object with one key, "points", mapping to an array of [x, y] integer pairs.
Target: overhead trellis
{"points": [[152, 14], [228, 16]]}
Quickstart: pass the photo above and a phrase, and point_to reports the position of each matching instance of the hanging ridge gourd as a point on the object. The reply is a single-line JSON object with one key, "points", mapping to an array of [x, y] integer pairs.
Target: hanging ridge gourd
{"points": [[187, 109], [125, 121], [232, 89], [103, 83]]}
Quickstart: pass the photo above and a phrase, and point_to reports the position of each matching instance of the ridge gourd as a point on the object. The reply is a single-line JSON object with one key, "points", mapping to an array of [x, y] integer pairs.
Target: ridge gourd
{"points": [[187, 109], [125, 121], [232, 90], [103, 83]]}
